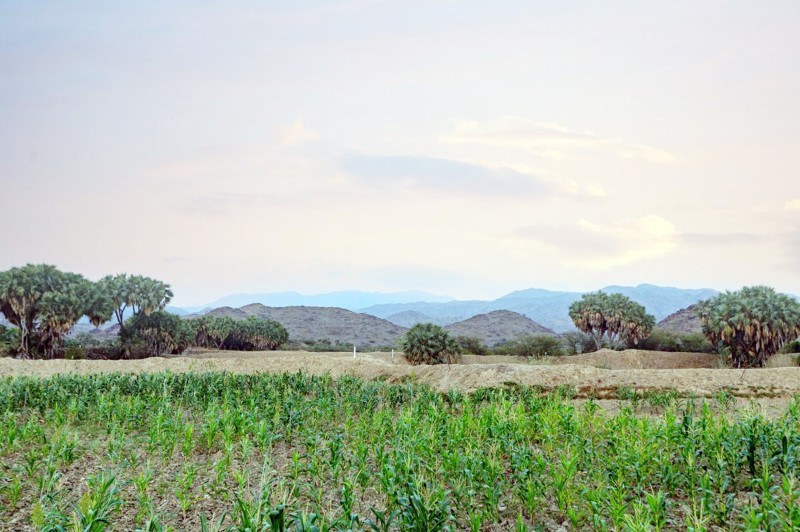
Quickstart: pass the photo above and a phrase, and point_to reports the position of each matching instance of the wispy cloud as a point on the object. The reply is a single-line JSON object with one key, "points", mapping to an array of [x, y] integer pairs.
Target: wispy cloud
{"points": [[551, 140], [457, 177], [297, 134], [603, 246]]}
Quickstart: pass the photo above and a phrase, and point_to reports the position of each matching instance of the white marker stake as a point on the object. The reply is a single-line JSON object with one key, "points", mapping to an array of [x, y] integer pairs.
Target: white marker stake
{"points": [[354, 351], [392, 353]]}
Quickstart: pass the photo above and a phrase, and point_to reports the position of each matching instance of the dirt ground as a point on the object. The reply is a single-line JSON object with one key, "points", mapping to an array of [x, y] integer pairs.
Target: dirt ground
{"points": [[600, 375]]}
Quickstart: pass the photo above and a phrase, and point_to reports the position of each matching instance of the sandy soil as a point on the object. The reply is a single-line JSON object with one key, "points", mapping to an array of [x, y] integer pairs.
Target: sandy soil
{"points": [[597, 375]]}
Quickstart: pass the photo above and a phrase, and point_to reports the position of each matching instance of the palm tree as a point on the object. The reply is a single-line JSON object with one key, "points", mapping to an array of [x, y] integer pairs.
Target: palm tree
{"points": [[753, 323], [611, 316]]}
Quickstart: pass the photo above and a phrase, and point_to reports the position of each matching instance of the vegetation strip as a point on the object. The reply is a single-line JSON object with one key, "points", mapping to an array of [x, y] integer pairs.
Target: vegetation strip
{"points": [[238, 452]]}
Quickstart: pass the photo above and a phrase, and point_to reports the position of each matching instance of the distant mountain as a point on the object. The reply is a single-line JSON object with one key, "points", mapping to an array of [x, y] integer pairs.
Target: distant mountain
{"points": [[550, 308], [449, 312], [497, 327], [662, 301], [177, 310], [312, 324], [409, 318], [350, 300]]}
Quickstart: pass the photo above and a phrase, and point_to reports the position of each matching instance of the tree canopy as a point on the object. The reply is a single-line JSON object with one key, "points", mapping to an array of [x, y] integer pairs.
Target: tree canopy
{"points": [[44, 303], [136, 293], [753, 323], [611, 316]]}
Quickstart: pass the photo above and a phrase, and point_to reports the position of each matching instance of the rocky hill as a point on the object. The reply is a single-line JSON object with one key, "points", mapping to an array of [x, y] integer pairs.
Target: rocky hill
{"points": [[313, 324], [684, 321], [497, 327]]}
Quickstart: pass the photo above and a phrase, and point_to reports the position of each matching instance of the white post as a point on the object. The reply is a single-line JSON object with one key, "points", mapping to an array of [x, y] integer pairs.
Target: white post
{"points": [[354, 351], [392, 353]]}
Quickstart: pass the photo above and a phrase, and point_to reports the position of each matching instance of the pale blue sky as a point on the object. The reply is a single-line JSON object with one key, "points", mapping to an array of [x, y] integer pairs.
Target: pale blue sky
{"points": [[456, 147]]}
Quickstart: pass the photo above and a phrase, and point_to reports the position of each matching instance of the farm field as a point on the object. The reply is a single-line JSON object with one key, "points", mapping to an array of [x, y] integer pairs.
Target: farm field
{"points": [[245, 452], [176, 444]]}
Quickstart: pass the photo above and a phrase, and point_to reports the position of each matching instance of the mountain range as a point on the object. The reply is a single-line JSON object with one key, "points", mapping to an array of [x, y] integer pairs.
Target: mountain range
{"points": [[546, 307], [347, 299]]}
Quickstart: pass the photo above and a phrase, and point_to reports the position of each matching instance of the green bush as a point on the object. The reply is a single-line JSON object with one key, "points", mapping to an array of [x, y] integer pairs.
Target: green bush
{"points": [[534, 346], [428, 343], [473, 345], [791, 347], [577, 342], [74, 352], [661, 340], [696, 343]]}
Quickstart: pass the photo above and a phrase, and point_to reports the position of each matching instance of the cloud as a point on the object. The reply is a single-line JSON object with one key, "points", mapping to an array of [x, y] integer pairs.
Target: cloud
{"points": [[603, 246], [792, 205], [550, 140], [297, 134], [409, 171]]}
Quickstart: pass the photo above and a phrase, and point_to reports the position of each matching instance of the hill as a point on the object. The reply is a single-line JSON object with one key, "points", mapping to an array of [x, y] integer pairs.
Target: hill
{"points": [[684, 321], [497, 327], [313, 324]]}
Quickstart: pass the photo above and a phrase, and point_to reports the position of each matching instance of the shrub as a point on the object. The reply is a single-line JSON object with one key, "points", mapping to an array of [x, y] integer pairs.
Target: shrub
{"points": [[696, 343], [791, 347], [577, 342], [534, 346], [74, 352], [661, 340], [473, 345], [428, 343]]}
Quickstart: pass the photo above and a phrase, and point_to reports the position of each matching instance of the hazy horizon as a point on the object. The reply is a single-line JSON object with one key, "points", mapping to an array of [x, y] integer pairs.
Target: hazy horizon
{"points": [[457, 148]]}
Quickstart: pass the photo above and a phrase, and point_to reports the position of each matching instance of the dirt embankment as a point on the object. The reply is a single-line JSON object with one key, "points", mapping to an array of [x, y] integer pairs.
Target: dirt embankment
{"points": [[598, 375]]}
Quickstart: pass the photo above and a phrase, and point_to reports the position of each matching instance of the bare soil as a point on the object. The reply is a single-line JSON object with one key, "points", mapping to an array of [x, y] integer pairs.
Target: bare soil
{"points": [[599, 375]]}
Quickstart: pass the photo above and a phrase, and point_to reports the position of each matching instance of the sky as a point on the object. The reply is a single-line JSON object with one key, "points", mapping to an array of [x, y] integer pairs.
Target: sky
{"points": [[462, 148]]}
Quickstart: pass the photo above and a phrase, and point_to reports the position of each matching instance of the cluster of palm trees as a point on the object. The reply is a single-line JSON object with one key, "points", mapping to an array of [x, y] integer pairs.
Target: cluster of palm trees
{"points": [[45, 303], [223, 332]]}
